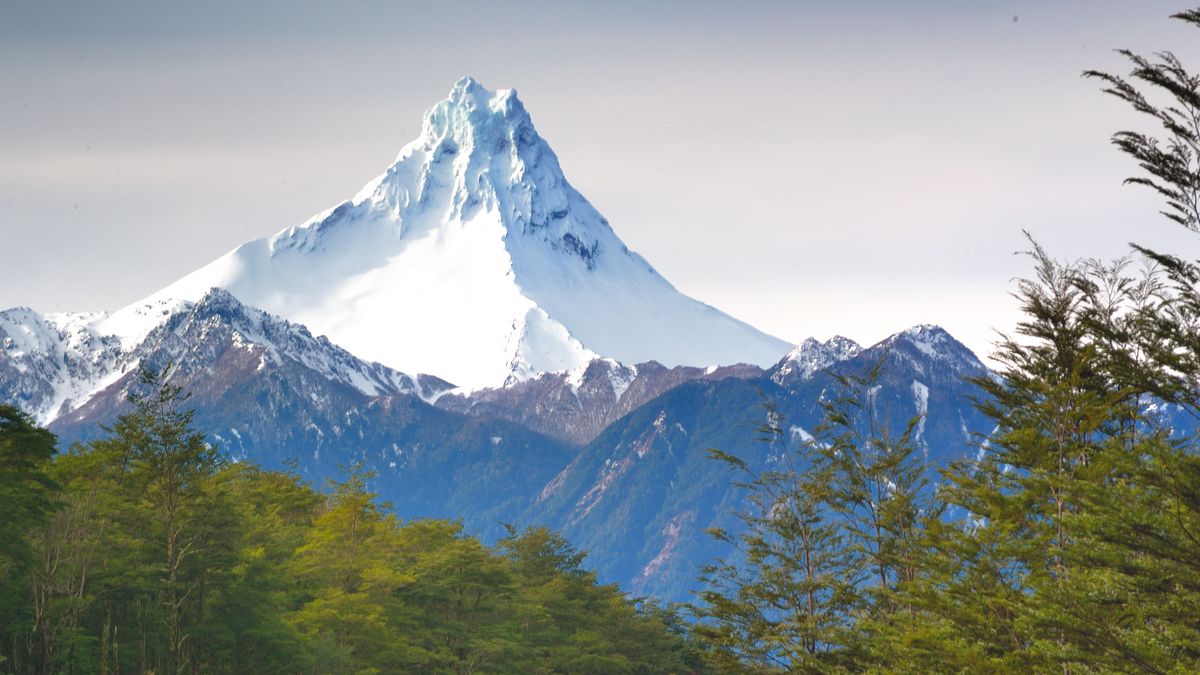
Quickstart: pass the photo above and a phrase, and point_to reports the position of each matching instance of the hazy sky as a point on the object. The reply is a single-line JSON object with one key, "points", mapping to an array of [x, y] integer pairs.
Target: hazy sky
{"points": [[810, 167]]}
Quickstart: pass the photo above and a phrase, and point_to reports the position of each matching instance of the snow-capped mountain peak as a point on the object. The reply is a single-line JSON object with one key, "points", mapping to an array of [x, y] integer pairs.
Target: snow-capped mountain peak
{"points": [[935, 343], [472, 116], [473, 258], [812, 356]]}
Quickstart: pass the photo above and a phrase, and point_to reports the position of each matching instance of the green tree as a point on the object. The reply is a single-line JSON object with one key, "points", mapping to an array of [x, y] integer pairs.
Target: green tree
{"points": [[28, 496], [251, 593], [124, 564], [460, 600], [27, 492], [167, 463], [76, 552], [349, 567], [832, 540], [1053, 411], [154, 556], [563, 621], [1164, 91], [787, 599], [1079, 550], [878, 484]]}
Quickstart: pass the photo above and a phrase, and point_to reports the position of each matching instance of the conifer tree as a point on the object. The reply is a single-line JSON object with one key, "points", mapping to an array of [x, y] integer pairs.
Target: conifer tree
{"points": [[1163, 90], [786, 599], [832, 537], [1077, 551], [1053, 410]]}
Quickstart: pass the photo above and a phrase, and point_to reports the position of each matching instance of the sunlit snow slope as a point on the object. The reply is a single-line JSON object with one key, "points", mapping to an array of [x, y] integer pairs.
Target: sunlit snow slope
{"points": [[471, 258]]}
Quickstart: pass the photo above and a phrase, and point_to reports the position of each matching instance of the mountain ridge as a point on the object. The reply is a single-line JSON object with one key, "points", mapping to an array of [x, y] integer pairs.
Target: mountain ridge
{"points": [[611, 455]]}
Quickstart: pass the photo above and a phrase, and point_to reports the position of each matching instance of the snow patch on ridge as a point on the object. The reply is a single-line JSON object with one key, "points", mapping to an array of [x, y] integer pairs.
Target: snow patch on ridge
{"points": [[801, 434], [921, 399]]}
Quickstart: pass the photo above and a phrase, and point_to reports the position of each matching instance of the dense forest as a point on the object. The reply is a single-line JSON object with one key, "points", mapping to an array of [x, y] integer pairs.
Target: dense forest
{"points": [[145, 552], [1069, 543]]}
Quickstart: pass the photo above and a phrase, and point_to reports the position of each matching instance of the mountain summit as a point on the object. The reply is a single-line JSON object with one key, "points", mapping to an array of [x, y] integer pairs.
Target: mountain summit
{"points": [[471, 258]]}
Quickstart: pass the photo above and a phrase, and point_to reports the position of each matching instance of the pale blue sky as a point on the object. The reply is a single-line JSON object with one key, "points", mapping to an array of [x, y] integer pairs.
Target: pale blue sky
{"points": [[810, 167]]}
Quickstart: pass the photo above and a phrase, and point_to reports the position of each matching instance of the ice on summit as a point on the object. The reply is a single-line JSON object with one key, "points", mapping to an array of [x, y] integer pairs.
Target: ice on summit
{"points": [[471, 257]]}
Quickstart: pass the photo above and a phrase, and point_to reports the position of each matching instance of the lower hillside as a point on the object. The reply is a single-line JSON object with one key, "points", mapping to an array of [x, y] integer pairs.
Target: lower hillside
{"points": [[144, 551]]}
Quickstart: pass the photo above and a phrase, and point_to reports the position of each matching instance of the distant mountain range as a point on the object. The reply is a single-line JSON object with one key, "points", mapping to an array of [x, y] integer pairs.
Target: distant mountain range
{"points": [[581, 390]]}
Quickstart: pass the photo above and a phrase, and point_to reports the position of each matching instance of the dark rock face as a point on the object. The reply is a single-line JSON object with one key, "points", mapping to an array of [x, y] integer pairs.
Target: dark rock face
{"points": [[576, 406]]}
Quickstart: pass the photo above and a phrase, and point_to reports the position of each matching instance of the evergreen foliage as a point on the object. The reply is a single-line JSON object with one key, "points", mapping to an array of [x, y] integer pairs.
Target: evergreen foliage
{"points": [[832, 541], [27, 502], [144, 552]]}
